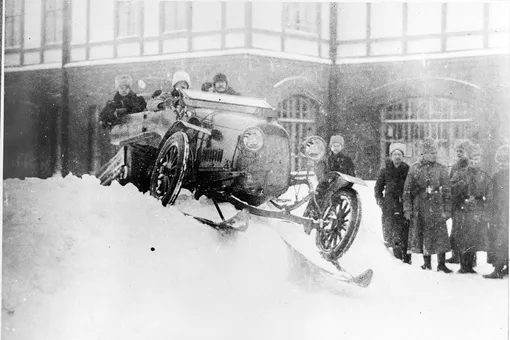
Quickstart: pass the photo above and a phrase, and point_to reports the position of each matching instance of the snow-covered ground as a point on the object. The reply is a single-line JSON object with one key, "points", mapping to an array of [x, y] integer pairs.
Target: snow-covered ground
{"points": [[81, 261]]}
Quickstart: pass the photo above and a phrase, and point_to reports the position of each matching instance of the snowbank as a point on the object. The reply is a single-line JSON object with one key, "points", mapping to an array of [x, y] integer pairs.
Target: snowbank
{"points": [[81, 261]]}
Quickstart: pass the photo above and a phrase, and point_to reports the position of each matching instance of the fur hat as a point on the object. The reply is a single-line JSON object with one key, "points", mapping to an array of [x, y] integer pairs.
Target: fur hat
{"points": [[220, 77], [123, 80], [475, 150], [463, 144], [181, 76], [502, 156], [398, 146], [428, 145], [336, 139]]}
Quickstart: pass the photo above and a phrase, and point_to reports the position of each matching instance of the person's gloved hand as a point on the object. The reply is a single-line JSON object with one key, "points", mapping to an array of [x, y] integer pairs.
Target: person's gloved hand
{"points": [[447, 215], [379, 201]]}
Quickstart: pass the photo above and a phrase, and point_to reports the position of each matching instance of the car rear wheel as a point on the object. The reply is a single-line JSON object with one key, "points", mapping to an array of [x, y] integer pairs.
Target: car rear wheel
{"points": [[170, 168], [341, 220]]}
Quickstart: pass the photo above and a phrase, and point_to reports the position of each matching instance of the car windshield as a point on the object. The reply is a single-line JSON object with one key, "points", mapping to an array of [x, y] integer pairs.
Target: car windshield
{"points": [[215, 101]]}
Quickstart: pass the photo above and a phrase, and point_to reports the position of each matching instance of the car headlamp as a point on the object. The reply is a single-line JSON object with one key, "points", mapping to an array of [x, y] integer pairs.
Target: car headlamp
{"points": [[313, 148], [253, 139]]}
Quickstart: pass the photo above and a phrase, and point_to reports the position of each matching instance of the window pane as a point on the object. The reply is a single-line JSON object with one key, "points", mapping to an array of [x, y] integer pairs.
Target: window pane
{"points": [[234, 14], [464, 17], [9, 32], [466, 42], [50, 27], [176, 15], [423, 18], [206, 16], [499, 15], [352, 21], [128, 19], [302, 17], [386, 20]]}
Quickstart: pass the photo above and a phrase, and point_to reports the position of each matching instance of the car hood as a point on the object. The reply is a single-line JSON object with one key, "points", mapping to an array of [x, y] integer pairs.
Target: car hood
{"points": [[228, 120]]}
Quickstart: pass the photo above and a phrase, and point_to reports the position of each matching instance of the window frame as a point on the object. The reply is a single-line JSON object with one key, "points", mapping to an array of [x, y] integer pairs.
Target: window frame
{"points": [[136, 7], [164, 20], [287, 28], [45, 14], [20, 29]]}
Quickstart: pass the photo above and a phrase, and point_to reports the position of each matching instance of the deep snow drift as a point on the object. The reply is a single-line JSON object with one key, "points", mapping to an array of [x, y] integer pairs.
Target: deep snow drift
{"points": [[81, 261]]}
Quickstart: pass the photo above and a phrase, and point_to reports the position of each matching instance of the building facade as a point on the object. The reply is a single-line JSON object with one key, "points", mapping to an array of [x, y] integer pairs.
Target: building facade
{"points": [[373, 72]]}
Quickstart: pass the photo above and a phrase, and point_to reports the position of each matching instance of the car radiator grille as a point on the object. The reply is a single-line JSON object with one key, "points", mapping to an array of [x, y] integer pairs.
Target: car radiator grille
{"points": [[212, 155]]}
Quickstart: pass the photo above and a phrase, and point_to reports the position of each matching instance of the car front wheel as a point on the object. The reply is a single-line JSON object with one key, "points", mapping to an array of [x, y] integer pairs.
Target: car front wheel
{"points": [[170, 168]]}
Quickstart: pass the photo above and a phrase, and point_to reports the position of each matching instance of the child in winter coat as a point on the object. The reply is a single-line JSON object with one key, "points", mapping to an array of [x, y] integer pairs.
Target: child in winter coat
{"points": [[170, 96], [124, 102], [336, 160]]}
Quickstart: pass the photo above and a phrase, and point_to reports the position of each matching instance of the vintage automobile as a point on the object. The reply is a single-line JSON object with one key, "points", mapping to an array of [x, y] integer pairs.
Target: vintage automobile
{"points": [[231, 149]]}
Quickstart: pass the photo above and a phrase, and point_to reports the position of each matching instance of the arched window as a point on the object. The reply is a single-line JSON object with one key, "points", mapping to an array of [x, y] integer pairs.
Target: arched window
{"points": [[297, 114], [412, 119]]}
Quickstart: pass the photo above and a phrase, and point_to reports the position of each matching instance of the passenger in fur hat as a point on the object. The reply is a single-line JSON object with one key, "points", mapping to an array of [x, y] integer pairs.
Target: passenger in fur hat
{"points": [[335, 160], [462, 147], [497, 253], [470, 187], [391, 181], [220, 85], [125, 101], [170, 95], [427, 205]]}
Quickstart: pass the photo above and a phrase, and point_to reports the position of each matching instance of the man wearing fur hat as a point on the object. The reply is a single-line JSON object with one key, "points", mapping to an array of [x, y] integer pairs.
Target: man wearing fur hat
{"points": [[391, 181], [220, 85], [497, 253], [171, 93], [462, 147], [124, 102], [470, 188], [427, 205]]}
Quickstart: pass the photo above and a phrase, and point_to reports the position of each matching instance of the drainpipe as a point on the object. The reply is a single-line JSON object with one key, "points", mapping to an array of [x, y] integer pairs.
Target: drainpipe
{"points": [[62, 121], [333, 107]]}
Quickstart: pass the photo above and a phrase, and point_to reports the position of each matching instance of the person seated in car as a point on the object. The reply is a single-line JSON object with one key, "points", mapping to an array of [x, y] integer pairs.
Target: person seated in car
{"points": [[124, 102], [220, 85], [170, 95], [207, 87]]}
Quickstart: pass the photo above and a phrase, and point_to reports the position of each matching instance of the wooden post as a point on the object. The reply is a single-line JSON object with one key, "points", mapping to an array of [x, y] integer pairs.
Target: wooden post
{"points": [[333, 107], [62, 149]]}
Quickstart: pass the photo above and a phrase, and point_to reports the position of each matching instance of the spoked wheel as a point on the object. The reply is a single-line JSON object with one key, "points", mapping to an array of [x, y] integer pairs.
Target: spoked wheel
{"points": [[169, 169], [341, 221]]}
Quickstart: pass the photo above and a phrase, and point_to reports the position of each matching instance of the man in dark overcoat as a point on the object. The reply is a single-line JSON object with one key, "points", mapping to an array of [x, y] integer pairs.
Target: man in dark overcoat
{"points": [[471, 191], [461, 148], [497, 254], [427, 204], [391, 181]]}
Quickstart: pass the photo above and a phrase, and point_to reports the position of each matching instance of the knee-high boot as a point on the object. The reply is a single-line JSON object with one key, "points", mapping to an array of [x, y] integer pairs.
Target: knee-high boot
{"points": [[441, 266], [427, 262]]}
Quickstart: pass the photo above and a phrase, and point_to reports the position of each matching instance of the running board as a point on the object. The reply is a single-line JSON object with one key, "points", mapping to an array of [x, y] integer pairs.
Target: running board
{"points": [[114, 169]]}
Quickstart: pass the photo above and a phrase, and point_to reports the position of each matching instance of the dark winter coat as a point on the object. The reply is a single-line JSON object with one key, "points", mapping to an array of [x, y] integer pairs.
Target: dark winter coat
{"points": [[391, 180], [460, 165], [427, 196], [332, 162], [498, 227], [471, 191], [121, 105]]}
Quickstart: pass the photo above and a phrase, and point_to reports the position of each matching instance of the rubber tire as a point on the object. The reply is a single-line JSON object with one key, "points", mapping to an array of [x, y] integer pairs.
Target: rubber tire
{"points": [[352, 227], [178, 144]]}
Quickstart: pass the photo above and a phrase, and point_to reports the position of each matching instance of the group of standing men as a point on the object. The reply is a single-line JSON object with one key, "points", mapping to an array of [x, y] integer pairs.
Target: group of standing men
{"points": [[417, 200]]}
